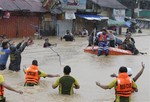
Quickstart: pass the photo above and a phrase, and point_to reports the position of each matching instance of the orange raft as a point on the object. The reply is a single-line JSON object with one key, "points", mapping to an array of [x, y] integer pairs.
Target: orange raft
{"points": [[112, 51]]}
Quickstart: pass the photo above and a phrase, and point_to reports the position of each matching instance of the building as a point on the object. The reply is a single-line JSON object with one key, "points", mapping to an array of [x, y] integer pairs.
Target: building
{"points": [[66, 22], [141, 11], [63, 14], [19, 18], [98, 12], [142, 7], [74, 15]]}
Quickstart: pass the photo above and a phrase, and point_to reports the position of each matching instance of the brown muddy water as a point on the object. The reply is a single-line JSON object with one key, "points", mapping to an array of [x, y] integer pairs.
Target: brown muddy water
{"points": [[86, 68]]}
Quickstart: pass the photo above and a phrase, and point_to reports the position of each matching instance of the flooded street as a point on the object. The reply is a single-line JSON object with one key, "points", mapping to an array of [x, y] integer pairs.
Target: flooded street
{"points": [[86, 68]]}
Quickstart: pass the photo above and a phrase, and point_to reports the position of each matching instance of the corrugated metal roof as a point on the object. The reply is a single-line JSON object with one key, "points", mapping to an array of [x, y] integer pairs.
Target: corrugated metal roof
{"points": [[8, 5], [22, 5], [36, 6], [109, 4]]}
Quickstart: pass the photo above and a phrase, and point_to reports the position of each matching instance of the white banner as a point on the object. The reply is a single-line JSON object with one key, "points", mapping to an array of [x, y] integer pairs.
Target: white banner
{"points": [[70, 15], [119, 14]]}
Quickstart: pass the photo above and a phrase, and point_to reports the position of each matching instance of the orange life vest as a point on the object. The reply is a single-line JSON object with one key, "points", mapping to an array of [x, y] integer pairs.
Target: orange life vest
{"points": [[102, 37], [124, 85], [1, 90], [32, 75]]}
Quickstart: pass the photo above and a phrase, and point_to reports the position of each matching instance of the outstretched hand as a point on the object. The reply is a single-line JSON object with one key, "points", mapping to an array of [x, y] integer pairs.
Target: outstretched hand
{"points": [[113, 75], [50, 75], [97, 83], [20, 92], [143, 65], [29, 41], [22, 40], [24, 70], [57, 75]]}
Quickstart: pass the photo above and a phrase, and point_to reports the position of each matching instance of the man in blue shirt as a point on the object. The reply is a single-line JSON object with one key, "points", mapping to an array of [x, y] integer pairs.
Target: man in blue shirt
{"points": [[4, 53]]}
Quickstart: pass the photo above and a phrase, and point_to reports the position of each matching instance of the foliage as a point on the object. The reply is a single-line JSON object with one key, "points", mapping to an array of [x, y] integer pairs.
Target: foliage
{"points": [[130, 3]]}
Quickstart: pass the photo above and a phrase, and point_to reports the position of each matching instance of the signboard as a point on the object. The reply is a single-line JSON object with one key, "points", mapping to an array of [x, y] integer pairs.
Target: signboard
{"points": [[73, 4], [70, 15], [119, 14]]}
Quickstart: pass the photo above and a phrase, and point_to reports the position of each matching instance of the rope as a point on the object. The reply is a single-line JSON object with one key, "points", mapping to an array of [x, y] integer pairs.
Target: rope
{"points": [[57, 55], [143, 53]]}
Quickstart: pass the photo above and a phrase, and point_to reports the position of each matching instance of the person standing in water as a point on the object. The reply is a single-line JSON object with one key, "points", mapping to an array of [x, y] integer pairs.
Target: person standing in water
{"points": [[103, 43], [3, 85], [66, 83], [129, 72], [123, 85], [33, 74], [15, 54], [4, 54]]}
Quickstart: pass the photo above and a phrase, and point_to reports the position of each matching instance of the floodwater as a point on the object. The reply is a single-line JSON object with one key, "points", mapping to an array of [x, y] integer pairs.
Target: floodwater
{"points": [[86, 68]]}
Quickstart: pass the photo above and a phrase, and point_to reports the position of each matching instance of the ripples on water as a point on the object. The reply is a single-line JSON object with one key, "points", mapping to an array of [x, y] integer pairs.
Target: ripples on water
{"points": [[86, 68]]}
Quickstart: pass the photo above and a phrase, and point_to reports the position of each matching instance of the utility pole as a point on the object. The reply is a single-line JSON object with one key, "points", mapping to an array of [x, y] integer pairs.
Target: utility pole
{"points": [[132, 8], [134, 4]]}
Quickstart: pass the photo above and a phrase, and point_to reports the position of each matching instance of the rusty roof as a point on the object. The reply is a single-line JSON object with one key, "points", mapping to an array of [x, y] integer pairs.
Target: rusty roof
{"points": [[22, 5], [109, 4]]}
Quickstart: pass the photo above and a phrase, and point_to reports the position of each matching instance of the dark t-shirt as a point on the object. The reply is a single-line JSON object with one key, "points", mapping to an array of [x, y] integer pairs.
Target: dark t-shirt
{"points": [[46, 44]]}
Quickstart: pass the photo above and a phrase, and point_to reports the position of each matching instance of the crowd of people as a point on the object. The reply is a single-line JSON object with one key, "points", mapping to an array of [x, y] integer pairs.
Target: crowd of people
{"points": [[107, 38], [104, 39], [124, 84]]}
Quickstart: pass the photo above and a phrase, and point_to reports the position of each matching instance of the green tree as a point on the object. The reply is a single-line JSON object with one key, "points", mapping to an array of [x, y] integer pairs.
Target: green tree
{"points": [[130, 4]]}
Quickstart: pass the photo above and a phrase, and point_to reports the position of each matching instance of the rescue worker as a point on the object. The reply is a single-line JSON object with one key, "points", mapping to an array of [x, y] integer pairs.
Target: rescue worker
{"points": [[129, 72], [123, 85], [5, 85], [33, 74], [66, 83], [96, 38], [103, 43]]}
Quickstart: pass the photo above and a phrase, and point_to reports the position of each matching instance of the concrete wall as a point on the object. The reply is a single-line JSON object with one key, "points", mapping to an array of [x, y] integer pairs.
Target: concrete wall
{"points": [[106, 12], [63, 25]]}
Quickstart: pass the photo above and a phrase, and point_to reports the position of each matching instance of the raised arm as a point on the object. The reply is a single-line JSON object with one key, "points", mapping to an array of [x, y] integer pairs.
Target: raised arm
{"points": [[102, 86], [26, 42], [18, 45], [114, 75], [140, 72], [10, 88], [43, 74], [21, 49], [50, 75]]}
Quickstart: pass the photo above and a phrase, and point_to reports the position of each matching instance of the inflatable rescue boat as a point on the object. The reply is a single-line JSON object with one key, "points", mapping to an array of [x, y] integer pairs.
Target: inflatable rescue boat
{"points": [[112, 51]]}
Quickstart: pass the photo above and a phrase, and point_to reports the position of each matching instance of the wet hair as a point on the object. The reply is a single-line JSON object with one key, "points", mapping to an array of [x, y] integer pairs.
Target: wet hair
{"points": [[13, 48], [67, 69], [35, 62], [4, 44], [104, 30], [123, 69]]}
